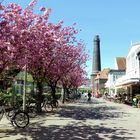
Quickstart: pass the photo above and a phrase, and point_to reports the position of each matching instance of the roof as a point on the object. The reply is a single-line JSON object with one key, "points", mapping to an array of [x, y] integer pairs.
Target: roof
{"points": [[134, 48], [114, 70], [103, 74], [121, 63]]}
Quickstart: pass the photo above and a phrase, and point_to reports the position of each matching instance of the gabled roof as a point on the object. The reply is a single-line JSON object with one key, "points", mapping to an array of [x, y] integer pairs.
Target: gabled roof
{"points": [[103, 74], [121, 63], [134, 49]]}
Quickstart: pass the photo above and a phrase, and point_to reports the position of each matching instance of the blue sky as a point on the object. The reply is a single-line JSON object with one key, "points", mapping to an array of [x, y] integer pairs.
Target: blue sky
{"points": [[117, 22]]}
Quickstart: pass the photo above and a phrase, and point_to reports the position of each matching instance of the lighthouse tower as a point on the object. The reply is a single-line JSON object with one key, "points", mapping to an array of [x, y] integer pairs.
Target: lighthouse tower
{"points": [[96, 62]]}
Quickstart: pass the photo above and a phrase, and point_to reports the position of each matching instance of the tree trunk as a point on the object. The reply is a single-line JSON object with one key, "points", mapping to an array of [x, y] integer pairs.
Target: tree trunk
{"points": [[53, 89], [64, 95], [39, 96]]}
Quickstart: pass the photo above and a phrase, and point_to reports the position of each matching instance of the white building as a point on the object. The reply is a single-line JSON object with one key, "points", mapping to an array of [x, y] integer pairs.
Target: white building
{"points": [[131, 80], [114, 74]]}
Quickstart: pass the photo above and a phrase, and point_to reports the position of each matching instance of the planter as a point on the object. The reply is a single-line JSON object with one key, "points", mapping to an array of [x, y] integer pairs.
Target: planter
{"points": [[138, 104]]}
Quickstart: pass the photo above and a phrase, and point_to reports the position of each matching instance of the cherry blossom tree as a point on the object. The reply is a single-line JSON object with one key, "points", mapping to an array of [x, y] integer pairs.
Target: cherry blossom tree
{"points": [[7, 57], [68, 57], [17, 42], [74, 78], [49, 50]]}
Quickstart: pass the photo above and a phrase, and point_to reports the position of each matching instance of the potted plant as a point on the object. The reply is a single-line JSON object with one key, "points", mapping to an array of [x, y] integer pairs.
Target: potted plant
{"points": [[138, 100]]}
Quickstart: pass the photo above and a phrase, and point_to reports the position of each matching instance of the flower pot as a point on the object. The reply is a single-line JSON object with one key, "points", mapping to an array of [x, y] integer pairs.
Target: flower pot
{"points": [[138, 104]]}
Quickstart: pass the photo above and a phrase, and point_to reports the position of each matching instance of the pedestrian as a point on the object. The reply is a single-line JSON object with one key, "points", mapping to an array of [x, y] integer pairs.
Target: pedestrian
{"points": [[89, 95]]}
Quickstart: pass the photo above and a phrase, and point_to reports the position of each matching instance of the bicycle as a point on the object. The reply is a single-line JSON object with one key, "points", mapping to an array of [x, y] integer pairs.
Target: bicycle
{"points": [[54, 103], [31, 109], [47, 105], [21, 119], [17, 117]]}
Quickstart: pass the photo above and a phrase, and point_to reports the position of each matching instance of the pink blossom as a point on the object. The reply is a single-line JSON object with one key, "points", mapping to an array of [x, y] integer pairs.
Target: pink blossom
{"points": [[32, 3], [42, 9]]}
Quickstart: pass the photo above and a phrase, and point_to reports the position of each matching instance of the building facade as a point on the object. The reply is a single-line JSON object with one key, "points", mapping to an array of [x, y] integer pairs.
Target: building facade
{"points": [[131, 80], [100, 81], [113, 75]]}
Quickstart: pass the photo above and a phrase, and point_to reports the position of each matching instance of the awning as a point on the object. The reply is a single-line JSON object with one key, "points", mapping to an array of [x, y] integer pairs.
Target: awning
{"points": [[126, 81]]}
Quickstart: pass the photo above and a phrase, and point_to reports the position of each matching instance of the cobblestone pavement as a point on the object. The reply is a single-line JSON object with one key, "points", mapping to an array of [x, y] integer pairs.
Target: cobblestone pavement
{"points": [[97, 120]]}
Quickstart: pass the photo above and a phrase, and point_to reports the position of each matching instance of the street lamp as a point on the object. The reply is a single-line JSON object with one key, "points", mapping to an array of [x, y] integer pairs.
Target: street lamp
{"points": [[24, 93]]}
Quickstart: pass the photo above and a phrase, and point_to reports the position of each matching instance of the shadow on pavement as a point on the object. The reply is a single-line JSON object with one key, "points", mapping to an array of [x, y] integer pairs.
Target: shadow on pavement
{"points": [[75, 130], [71, 132], [83, 113]]}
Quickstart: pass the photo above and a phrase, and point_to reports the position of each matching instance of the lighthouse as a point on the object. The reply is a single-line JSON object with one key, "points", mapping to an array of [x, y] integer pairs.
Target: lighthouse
{"points": [[96, 62]]}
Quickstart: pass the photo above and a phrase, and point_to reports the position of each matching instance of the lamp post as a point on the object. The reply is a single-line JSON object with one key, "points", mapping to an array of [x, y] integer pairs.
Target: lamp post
{"points": [[24, 93], [25, 81]]}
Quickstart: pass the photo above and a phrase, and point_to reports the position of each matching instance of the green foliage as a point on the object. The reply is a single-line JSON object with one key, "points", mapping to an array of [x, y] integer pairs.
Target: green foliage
{"points": [[5, 98], [49, 96], [58, 95], [8, 98], [84, 89], [102, 91], [58, 90], [107, 90], [121, 90], [9, 90], [1, 97], [138, 97], [30, 98], [21, 77]]}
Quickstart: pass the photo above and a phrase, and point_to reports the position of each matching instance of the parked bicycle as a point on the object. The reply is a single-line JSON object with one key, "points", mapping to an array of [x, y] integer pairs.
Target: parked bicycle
{"points": [[17, 118], [32, 110], [54, 103], [21, 119], [47, 105]]}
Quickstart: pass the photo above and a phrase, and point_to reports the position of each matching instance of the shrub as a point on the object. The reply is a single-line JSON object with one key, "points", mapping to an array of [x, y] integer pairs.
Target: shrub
{"points": [[49, 96], [138, 97]]}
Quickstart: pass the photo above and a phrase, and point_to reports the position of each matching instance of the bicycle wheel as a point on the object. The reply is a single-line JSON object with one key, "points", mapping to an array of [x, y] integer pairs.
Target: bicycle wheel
{"points": [[44, 103], [48, 107], [1, 112], [21, 119], [54, 103], [32, 111], [9, 114]]}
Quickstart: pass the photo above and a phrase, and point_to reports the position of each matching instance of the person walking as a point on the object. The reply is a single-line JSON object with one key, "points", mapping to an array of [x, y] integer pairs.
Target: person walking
{"points": [[89, 96]]}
